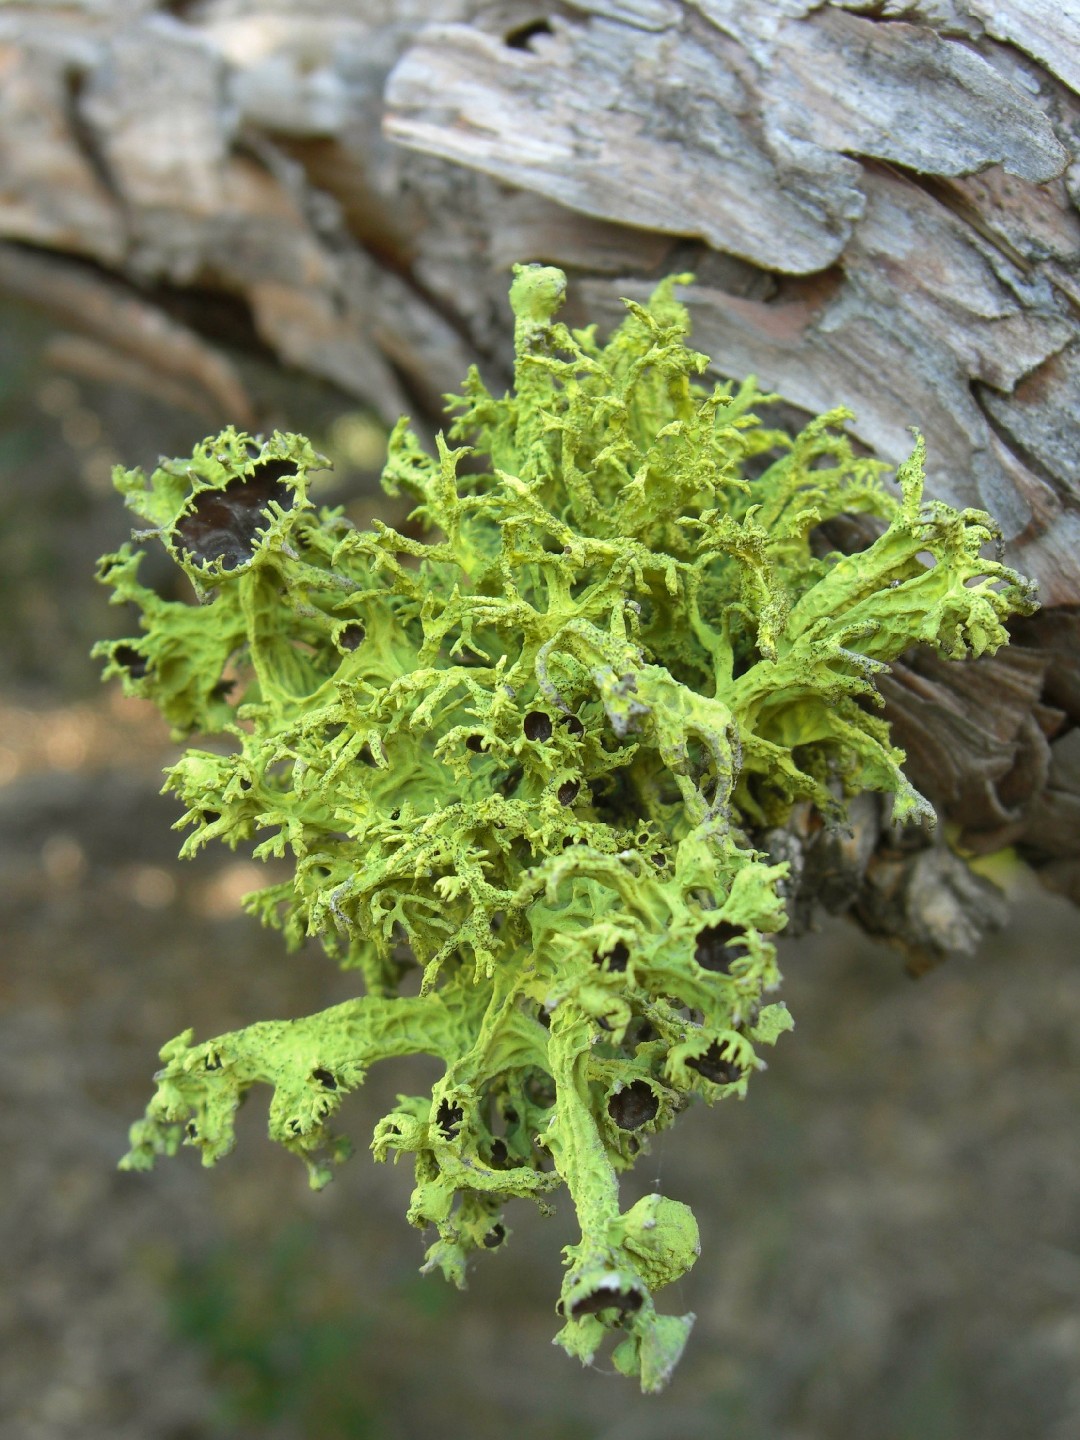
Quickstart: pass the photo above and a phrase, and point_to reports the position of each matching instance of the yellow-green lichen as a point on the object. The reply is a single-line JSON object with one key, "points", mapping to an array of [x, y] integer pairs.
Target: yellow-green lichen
{"points": [[530, 754]]}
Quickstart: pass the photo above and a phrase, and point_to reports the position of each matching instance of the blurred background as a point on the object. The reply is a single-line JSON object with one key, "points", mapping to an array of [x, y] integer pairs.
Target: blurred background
{"points": [[890, 1226]]}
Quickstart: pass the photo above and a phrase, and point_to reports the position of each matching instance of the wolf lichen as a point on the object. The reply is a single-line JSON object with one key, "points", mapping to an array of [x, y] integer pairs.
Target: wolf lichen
{"points": [[530, 754]]}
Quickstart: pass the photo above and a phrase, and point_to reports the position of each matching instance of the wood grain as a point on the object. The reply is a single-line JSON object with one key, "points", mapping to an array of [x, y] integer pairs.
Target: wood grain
{"points": [[880, 202]]}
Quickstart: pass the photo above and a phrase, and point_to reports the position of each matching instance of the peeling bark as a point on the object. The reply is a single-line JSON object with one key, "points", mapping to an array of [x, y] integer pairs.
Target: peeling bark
{"points": [[880, 202]]}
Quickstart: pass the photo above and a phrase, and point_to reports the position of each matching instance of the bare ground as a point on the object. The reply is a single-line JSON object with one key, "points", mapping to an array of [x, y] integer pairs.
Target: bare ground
{"points": [[891, 1242]]}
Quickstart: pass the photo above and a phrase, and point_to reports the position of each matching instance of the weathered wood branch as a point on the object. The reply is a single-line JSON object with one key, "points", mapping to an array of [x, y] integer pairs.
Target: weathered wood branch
{"points": [[879, 200]]}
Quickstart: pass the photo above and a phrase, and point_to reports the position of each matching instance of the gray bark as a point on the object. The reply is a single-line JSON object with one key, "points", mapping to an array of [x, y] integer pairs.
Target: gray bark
{"points": [[879, 200]]}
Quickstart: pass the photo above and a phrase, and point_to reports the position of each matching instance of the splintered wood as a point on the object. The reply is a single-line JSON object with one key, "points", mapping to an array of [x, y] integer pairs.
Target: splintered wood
{"points": [[880, 208]]}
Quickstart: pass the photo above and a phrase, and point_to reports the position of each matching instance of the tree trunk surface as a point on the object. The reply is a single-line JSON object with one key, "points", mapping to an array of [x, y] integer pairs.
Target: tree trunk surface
{"points": [[879, 202]]}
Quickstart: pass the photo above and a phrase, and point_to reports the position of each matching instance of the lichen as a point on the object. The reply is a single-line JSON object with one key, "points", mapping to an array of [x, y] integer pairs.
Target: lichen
{"points": [[534, 753]]}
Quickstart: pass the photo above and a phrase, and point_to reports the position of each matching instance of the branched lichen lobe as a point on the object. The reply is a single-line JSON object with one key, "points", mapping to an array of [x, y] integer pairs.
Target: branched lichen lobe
{"points": [[531, 754]]}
